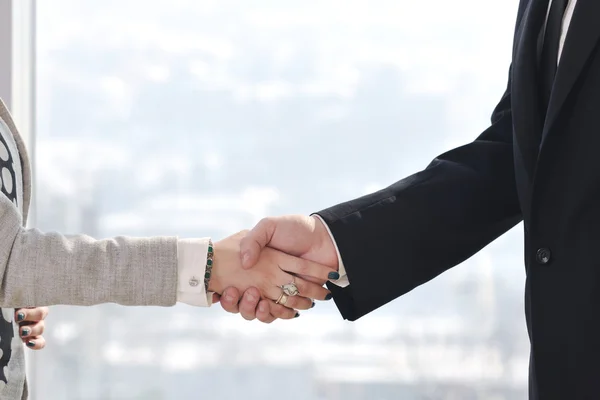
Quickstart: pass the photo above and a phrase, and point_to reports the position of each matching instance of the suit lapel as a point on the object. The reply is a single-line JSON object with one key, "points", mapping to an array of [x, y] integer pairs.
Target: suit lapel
{"points": [[582, 37], [527, 122]]}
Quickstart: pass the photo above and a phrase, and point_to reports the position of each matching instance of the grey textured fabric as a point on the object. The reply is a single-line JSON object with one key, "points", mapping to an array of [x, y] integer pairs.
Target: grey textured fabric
{"points": [[42, 269]]}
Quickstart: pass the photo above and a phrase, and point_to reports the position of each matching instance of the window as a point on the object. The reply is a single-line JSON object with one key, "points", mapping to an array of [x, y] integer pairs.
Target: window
{"points": [[197, 118]]}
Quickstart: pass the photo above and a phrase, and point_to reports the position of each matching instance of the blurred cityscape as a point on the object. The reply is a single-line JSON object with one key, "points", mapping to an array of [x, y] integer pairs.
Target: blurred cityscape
{"points": [[197, 118]]}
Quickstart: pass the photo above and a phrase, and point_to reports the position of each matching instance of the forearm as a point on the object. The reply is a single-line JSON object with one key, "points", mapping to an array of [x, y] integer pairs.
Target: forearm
{"points": [[398, 238], [49, 268]]}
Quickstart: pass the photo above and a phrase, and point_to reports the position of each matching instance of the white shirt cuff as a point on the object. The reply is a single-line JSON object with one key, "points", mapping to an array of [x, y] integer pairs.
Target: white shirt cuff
{"points": [[343, 279], [191, 265]]}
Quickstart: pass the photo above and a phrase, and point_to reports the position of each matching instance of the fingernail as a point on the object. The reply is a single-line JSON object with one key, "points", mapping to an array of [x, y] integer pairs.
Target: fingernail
{"points": [[262, 308], [250, 297], [25, 332], [20, 316], [229, 298], [30, 344], [329, 296], [334, 275], [313, 305], [245, 257], [297, 315]]}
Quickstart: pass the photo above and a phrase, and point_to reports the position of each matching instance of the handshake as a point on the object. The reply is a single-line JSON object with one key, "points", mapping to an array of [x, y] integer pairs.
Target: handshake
{"points": [[276, 268]]}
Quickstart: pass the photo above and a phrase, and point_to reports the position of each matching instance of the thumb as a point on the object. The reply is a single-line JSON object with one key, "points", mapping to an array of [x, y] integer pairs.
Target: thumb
{"points": [[256, 239]]}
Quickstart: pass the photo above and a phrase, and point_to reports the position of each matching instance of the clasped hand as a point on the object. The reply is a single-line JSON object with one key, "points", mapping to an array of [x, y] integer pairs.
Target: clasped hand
{"points": [[275, 276], [252, 266]]}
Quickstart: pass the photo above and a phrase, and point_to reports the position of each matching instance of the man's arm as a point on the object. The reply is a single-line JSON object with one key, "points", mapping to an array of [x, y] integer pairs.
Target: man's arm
{"points": [[400, 237]]}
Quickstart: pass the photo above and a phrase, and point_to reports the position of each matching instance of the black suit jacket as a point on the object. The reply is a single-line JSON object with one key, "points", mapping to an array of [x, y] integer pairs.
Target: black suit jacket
{"points": [[545, 172]]}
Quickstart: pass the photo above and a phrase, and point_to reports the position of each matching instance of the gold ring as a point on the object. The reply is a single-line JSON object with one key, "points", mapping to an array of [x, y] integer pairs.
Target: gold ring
{"points": [[282, 299]]}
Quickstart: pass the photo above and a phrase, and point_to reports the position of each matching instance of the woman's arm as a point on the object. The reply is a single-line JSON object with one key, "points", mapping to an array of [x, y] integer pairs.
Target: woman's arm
{"points": [[49, 268]]}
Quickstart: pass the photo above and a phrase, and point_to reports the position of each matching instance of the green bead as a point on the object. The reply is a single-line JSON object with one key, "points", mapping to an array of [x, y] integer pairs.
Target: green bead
{"points": [[207, 275], [210, 249], [208, 262]]}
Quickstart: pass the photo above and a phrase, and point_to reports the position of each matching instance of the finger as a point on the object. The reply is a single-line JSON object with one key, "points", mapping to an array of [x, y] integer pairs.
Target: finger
{"points": [[300, 266], [311, 279], [301, 301], [230, 300], [306, 290], [258, 237], [249, 303], [311, 290], [31, 314], [216, 298], [30, 331], [269, 311], [298, 302], [282, 312], [36, 343], [263, 312]]}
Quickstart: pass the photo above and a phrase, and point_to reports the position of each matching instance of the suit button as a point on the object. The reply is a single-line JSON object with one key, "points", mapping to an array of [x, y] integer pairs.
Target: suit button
{"points": [[543, 256]]}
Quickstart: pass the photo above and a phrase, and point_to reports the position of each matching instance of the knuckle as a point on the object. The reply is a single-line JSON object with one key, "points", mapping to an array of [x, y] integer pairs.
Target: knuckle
{"points": [[303, 304], [254, 292], [231, 309], [265, 222], [248, 317], [248, 312], [278, 311], [286, 313], [303, 288], [291, 302], [263, 228], [303, 267], [267, 319]]}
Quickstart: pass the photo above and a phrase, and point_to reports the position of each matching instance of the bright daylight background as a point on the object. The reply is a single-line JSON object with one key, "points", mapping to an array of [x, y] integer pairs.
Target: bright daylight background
{"points": [[197, 118]]}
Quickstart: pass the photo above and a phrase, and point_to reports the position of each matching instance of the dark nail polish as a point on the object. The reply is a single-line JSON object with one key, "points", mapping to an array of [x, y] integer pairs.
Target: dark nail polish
{"points": [[334, 275], [329, 296], [25, 332], [313, 305], [30, 344], [297, 315], [20, 316]]}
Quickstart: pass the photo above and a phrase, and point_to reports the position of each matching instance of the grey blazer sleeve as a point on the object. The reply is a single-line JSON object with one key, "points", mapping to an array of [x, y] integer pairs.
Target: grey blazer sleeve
{"points": [[39, 269], [42, 269]]}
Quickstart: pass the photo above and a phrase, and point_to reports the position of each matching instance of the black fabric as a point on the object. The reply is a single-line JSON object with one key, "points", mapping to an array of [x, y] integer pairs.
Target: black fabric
{"points": [[549, 55], [398, 238]]}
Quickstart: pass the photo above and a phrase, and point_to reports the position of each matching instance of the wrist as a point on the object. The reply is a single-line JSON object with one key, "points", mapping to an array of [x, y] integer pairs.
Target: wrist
{"points": [[325, 244], [226, 269], [215, 282]]}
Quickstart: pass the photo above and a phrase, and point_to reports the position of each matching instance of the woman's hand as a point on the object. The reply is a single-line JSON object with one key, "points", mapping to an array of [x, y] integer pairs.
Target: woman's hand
{"points": [[269, 274], [31, 326]]}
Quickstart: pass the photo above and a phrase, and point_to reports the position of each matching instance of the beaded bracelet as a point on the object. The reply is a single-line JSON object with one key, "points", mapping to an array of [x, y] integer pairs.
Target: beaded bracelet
{"points": [[209, 264]]}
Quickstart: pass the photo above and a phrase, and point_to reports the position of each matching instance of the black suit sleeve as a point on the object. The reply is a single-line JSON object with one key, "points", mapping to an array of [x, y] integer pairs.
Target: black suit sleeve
{"points": [[398, 238]]}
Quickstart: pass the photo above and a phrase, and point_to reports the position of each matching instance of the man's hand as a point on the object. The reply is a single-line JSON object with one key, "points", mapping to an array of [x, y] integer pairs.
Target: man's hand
{"points": [[298, 235], [31, 326]]}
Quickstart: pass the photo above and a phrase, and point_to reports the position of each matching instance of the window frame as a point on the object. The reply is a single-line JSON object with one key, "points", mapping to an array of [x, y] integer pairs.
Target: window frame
{"points": [[18, 91]]}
